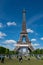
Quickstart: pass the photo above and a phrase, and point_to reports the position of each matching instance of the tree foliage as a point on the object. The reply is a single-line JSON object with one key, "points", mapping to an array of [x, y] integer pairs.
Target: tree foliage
{"points": [[7, 51], [38, 51], [2, 50]]}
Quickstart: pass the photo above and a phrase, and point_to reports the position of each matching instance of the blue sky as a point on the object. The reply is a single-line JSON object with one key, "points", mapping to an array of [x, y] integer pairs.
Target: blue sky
{"points": [[11, 22]]}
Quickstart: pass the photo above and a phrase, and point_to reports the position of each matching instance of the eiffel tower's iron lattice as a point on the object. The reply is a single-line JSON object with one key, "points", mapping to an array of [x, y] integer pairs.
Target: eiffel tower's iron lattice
{"points": [[24, 34]]}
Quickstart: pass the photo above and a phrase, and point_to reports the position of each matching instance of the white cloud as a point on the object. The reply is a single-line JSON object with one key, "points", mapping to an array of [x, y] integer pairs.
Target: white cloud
{"points": [[30, 31], [1, 25], [9, 41], [41, 38], [2, 35], [36, 44], [33, 39], [11, 23]]}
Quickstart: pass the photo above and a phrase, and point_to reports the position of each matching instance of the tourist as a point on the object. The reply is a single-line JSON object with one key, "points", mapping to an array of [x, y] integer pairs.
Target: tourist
{"points": [[2, 59], [20, 59]]}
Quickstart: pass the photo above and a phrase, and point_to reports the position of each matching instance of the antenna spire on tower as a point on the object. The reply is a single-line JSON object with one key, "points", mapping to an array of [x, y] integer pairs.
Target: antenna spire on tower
{"points": [[24, 20], [24, 15]]}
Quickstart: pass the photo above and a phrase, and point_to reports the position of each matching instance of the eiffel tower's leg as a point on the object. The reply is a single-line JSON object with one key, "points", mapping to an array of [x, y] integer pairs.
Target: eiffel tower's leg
{"points": [[20, 38]]}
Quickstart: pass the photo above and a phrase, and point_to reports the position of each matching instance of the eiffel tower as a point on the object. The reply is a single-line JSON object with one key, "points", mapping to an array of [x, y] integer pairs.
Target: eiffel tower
{"points": [[24, 34]]}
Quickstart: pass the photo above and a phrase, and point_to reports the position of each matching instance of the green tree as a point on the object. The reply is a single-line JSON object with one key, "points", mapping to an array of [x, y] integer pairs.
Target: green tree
{"points": [[38, 51], [41, 51], [2, 50], [7, 51]]}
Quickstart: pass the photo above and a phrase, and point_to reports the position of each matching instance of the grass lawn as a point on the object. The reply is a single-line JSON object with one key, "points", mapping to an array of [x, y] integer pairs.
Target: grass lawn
{"points": [[15, 61]]}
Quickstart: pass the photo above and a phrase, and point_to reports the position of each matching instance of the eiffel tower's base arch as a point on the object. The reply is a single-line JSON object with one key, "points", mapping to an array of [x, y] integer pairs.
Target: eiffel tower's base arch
{"points": [[24, 47]]}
